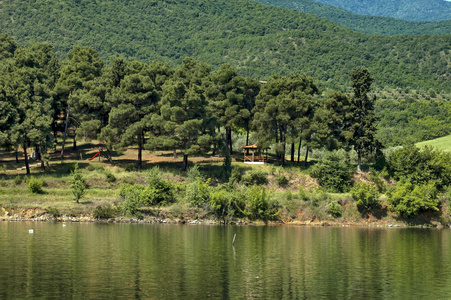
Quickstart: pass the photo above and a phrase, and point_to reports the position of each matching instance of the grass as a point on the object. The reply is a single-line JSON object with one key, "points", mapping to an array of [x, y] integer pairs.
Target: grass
{"points": [[443, 143], [301, 199]]}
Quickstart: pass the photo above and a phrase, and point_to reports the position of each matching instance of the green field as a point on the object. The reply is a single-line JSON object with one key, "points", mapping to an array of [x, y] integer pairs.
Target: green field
{"points": [[443, 143]]}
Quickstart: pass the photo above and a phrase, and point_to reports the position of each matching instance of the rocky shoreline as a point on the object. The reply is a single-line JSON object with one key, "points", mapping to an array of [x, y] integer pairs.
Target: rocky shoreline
{"points": [[40, 215]]}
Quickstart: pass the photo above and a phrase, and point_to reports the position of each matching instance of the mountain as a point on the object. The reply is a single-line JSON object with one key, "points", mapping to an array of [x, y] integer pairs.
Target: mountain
{"points": [[411, 10], [367, 24], [259, 40]]}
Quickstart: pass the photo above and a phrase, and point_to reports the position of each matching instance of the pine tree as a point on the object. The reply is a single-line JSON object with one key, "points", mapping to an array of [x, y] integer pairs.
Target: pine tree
{"points": [[361, 132], [183, 119]]}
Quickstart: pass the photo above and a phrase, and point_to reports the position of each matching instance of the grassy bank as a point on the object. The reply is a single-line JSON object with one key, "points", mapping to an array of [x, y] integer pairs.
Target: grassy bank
{"points": [[161, 191]]}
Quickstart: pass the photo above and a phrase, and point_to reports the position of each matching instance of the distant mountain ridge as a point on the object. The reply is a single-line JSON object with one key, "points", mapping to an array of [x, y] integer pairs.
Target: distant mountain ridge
{"points": [[363, 23], [259, 40], [410, 10]]}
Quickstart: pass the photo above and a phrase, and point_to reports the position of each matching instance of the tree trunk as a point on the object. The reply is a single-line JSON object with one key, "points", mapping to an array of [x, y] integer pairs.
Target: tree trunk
{"points": [[229, 139], [185, 162], [306, 156], [26, 158], [75, 142], [299, 149], [38, 153], [140, 150], [16, 152], [65, 131], [174, 153], [292, 152]]}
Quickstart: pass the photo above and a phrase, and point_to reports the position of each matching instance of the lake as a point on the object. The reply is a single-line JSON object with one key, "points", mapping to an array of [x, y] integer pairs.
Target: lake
{"points": [[145, 261]]}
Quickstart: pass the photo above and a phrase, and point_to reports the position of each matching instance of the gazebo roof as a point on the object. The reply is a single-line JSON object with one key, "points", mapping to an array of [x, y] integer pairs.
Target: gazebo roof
{"points": [[253, 147]]}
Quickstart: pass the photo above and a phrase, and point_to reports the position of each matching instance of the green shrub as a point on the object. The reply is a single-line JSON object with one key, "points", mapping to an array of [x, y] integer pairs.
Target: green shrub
{"points": [[365, 195], [104, 212], [35, 186], [235, 175], [255, 178], [18, 180], [110, 177], [408, 199], [259, 204], [376, 177], [421, 166], [53, 211], [198, 192], [333, 173], [130, 167], [335, 209], [282, 180], [226, 204], [77, 183], [131, 196], [159, 191], [193, 173]]}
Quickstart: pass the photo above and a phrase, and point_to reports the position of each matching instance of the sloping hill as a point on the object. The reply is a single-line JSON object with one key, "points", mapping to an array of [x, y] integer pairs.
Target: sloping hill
{"points": [[443, 143], [364, 23], [411, 10], [259, 40]]}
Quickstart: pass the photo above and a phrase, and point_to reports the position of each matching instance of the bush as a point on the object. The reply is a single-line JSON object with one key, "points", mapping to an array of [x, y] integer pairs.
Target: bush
{"points": [[35, 186], [259, 204], [193, 173], [53, 211], [235, 176], [421, 166], [131, 194], [255, 178], [110, 177], [104, 212], [282, 180], [408, 199], [333, 174], [335, 209], [198, 192], [159, 191], [78, 184], [365, 196], [18, 180], [130, 167], [226, 204]]}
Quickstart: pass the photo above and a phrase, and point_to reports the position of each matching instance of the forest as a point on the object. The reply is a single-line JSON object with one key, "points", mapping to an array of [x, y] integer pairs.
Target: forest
{"points": [[192, 110], [188, 78], [258, 40], [185, 108], [370, 24]]}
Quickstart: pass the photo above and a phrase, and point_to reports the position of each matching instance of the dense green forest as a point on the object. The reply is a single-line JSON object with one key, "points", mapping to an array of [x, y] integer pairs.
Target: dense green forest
{"points": [[412, 10], [191, 109], [256, 39], [364, 23], [155, 106]]}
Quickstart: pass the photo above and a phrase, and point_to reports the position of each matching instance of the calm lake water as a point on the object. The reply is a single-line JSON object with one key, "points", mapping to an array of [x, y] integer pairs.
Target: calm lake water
{"points": [[134, 261]]}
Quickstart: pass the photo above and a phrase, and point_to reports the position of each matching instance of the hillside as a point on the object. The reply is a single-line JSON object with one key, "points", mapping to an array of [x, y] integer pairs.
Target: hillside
{"points": [[412, 10], [259, 40], [443, 143], [364, 23]]}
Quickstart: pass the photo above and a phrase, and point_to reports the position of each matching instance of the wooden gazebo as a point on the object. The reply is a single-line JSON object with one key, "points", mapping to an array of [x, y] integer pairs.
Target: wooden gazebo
{"points": [[255, 154]]}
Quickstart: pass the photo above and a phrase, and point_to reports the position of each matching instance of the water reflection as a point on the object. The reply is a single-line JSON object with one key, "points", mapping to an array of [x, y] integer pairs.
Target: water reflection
{"points": [[131, 261]]}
